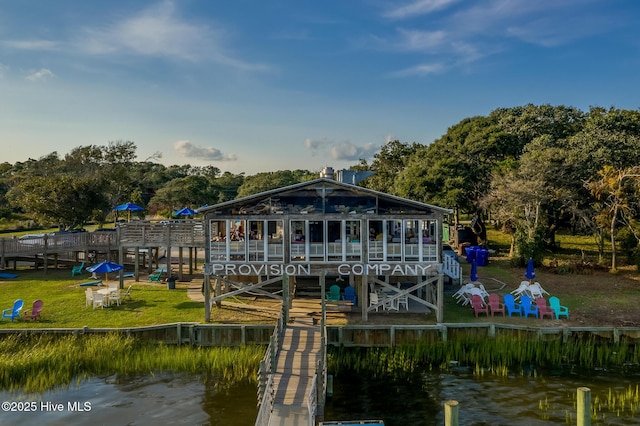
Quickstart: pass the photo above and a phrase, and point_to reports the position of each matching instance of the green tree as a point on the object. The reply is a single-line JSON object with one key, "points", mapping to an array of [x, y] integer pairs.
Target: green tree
{"points": [[266, 181], [387, 164], [63, 199], [617, 192]]}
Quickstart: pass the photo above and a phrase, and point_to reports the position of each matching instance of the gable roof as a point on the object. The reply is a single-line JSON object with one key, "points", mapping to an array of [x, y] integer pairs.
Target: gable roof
{"points": [[324, 187]]}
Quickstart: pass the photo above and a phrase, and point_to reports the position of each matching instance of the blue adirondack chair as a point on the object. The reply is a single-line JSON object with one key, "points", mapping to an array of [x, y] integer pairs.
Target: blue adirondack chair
{"points": [[350, 294], [13, 312], [511, 306], [528, 308]]}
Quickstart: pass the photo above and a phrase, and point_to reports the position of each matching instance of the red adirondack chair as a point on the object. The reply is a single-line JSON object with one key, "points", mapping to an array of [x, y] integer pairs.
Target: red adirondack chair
{"points": [[478, 305], [34, 312], [543, 308], [495, 305]]}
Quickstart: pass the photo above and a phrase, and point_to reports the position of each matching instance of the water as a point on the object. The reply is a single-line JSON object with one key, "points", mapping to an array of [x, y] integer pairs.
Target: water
{"points": [[147, 400], [487, 400], [414, 400]]}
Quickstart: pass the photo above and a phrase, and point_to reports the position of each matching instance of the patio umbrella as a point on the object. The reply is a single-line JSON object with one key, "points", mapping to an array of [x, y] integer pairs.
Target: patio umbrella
{"points": [[105, 268], [129, 207], [185, 212], [474, 271], [530, 273]]}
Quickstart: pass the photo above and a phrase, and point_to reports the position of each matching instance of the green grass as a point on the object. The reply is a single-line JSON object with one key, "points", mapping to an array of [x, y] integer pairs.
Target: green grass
{"points": [[64, 303], [37, 363]]}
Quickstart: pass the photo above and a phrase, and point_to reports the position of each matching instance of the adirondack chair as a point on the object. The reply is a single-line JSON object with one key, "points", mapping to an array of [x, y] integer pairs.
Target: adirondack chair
{"points": [[495, 305], [334, 293], [528, 308], [13, 312], [127, 294], [558, 309], [511, 306], [155, 277], [350, 294], [34, 312], [543, 309], [478, 305], [77, 270]]}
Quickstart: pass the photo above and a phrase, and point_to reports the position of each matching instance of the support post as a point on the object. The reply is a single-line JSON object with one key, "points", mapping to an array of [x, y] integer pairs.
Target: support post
{"points": [[207, 293], [451, 413], [584, 407]]}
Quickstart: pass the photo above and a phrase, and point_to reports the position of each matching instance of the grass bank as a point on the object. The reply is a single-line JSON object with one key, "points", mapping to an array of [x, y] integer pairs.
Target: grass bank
{"points": [[38, 363], [150, 304]]}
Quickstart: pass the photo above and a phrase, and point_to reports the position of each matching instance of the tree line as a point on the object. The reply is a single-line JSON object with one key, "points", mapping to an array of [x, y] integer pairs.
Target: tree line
{"points": [[532, 169]]}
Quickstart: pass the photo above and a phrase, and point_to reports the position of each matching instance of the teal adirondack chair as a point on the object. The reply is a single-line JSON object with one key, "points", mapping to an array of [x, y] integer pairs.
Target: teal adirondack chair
{"points": [[77, 270], [558, 309], [334, 293]]}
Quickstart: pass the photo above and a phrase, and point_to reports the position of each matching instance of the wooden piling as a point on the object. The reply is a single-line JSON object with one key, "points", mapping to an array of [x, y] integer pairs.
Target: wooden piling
{"points": [[584, 406], [451, 413]]}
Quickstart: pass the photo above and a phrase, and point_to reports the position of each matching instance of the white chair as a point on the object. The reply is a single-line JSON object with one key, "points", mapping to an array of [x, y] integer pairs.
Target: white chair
{"points": [[88, 294], [522, 289], [98, 300], [127, 293], [483, 291], [373, 300], [461, 294], [535, 291], [390, 303], [403, 301], [114, 296]]}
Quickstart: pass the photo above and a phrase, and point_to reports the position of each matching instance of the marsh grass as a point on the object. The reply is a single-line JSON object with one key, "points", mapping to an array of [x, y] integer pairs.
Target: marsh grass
{"points": [[500, 356], [33, 363]]}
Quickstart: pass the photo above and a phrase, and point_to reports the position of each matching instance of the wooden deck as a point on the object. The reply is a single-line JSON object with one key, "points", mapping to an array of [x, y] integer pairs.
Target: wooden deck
{"points": [[301, 350]]}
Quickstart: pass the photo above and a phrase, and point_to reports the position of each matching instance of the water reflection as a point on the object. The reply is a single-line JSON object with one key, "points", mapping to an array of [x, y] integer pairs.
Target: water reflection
{"points": [[136, 400], [414, 399], [487, 400]]}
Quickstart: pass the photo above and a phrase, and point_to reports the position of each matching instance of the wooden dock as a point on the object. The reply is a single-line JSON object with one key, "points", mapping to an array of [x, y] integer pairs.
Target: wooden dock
{"points": [[296, 366]]}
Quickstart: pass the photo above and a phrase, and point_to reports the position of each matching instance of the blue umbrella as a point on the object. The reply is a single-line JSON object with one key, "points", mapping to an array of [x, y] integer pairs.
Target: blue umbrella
{"points": [[185, 212], [474, 271], [129, 207], [530, 273], [105, 268]]}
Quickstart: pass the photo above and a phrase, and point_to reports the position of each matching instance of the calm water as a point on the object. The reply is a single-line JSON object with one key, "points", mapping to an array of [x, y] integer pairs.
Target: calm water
{"points": [[415, 400]]}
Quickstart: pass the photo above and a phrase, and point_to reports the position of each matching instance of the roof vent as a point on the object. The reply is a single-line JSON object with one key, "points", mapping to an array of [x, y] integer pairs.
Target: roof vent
{"points": [[327, 172]]}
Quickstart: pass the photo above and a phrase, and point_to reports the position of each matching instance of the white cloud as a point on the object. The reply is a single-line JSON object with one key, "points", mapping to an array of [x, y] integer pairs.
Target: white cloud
{"points": [[348, 151], [316, 144], [30, 44], [417, 8], [420, 70], [344, 150], [42, 74], [159, 31], [3, 70], [462, 33], [189, 150]]}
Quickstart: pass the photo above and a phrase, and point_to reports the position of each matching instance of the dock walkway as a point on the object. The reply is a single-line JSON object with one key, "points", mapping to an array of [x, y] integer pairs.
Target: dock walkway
{"points": [[297, 362]]}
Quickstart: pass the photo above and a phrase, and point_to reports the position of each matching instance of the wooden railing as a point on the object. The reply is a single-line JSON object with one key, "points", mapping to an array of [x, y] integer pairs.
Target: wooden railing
{"points": [[268, 366]]}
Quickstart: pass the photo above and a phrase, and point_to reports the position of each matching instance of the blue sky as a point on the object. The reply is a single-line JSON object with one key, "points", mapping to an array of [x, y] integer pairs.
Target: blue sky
{"points": [[254, 86]]}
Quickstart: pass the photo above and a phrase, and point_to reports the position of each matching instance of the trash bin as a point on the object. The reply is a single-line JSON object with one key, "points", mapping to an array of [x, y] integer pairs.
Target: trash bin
{"points": [[171, 282]]}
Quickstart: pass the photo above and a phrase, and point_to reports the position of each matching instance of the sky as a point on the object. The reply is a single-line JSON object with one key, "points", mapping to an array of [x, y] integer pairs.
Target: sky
{"points": [[259, 86]]}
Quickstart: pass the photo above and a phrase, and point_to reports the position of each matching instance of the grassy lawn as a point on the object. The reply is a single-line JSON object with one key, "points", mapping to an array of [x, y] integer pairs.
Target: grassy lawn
{"points": [[151, 303]]}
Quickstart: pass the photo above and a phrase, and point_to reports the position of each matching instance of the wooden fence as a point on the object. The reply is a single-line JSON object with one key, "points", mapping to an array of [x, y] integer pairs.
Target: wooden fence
{"points": [[390, 335], [194, 334]]}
